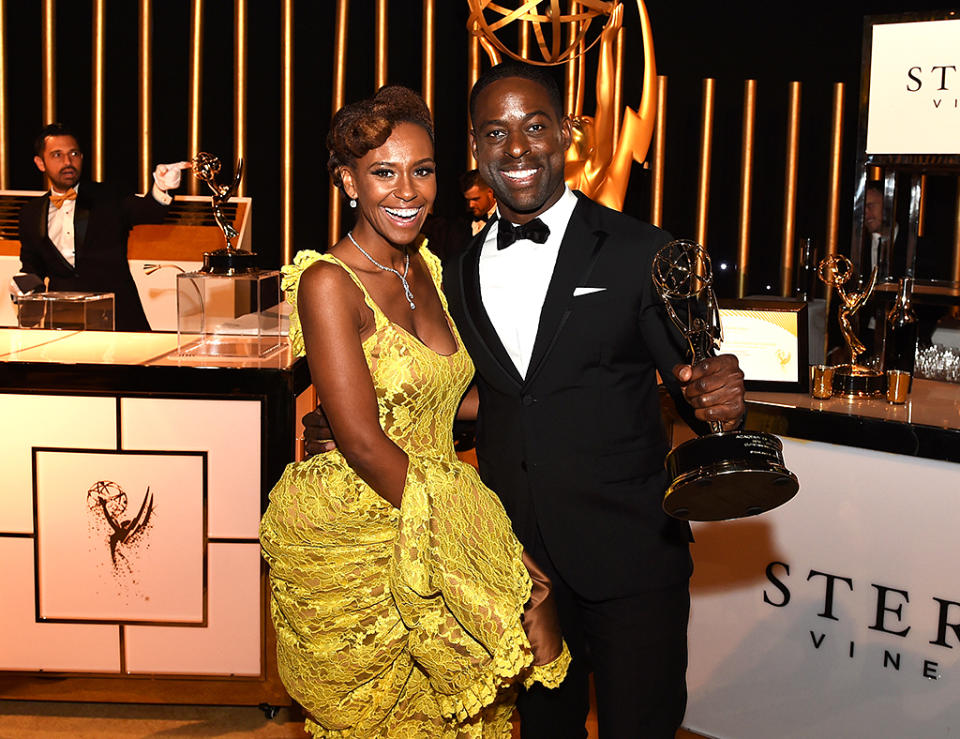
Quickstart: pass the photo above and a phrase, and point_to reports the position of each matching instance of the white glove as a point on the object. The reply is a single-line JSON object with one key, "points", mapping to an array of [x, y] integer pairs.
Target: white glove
{"points": [[167, 176]]}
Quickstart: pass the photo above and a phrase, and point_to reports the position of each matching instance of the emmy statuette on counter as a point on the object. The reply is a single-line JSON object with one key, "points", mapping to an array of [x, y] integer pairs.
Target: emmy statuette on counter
{"points": [[724, 474], [229, 308], [851, 380], [229, 260]]}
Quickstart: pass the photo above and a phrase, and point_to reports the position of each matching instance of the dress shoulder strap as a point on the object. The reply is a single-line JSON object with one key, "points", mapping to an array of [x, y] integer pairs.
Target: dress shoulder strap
{"points": [[290, 285], [435, 267]]}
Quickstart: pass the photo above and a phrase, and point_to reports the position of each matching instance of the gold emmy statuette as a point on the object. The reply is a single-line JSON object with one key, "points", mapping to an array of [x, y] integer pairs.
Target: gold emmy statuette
{"points": [[229, 260], [724, 474], [851, 380]]}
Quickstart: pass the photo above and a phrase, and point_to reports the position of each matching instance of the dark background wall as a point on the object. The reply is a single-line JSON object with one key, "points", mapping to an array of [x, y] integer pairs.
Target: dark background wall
{"points": [[817, 43]]}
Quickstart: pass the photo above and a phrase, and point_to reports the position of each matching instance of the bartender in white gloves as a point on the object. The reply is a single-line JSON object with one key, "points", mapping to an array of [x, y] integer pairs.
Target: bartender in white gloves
{"points": [[74, 237]]}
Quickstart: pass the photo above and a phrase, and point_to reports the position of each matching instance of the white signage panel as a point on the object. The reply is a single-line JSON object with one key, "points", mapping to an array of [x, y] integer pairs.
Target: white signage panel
{"points": [[914, 103], [837, 614]]}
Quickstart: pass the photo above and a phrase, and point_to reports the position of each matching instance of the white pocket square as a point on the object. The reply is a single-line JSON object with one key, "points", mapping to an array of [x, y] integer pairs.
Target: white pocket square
{"points": [[587, 290]]}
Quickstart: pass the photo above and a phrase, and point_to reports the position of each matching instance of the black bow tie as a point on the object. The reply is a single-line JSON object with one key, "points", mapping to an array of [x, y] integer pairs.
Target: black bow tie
{"points": [[536, 230]]}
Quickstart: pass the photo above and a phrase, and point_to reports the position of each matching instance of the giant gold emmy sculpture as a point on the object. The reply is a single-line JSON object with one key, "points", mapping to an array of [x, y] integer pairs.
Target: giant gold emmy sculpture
{"points": [[229, 260], [852, 380], [724, 474], [599, 161]]}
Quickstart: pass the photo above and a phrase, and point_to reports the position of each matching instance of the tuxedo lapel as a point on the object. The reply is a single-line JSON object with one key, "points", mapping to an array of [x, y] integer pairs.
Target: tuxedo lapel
{"points": [[39, 222], [81, 219], [578, 252], [42, 233], [476, 314]]}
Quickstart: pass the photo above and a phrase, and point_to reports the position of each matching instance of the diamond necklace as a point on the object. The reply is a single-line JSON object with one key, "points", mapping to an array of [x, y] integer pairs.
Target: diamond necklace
{"points": [[403, 277]]}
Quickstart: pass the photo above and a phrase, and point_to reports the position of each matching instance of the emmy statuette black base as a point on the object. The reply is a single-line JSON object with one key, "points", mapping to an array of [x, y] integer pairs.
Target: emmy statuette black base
{"points": [[229, 262], [854, 381], [727, 475]]}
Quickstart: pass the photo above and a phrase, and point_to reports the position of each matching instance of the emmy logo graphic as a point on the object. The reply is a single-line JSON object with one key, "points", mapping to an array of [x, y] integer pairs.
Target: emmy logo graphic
{"points": [[107, 503]]}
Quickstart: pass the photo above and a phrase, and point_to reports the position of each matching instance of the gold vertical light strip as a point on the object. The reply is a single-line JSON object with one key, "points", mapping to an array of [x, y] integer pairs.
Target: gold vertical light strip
{"points": [[4, 148], [659, 152], [196, 79], [145, 69], [99, 80], [833, 186], [473, 72], [618, 89], [746, 184], [790, 190], [706, 150], [429, 49], [380, 59], [49, 51], [240, 85], [581, 72], [339, 84], [570, 68], [525, 40], [286, 132]]}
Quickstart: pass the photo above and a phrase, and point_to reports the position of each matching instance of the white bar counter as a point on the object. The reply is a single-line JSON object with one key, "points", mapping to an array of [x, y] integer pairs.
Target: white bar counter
{"points": [[837, 614], [134, 481]]}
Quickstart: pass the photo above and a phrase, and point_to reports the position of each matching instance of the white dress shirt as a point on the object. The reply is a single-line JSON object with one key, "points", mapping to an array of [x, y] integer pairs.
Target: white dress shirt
{"points": [[60, 227], [514, 281], [479, 224]]}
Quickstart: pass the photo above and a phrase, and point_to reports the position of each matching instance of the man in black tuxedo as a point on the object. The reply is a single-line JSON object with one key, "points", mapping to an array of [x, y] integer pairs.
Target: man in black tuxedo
{"points": [[76, 235], [555, 303]]}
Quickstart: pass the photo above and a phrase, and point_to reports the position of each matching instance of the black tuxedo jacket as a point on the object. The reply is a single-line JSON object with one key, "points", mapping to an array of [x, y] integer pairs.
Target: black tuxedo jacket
{"points": [[102, 223], [576, 449]]}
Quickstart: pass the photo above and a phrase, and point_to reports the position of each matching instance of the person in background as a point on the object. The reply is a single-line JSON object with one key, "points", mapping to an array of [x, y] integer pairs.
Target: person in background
{"points": [[481, 202], [74, 237], [890, 262]]}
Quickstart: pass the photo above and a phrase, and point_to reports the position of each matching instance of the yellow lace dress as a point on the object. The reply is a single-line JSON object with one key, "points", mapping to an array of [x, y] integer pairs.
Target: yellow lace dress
{"points": [[399, 622]]}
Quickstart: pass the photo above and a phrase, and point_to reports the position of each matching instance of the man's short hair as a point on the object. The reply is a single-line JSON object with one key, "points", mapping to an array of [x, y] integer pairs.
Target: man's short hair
{"points": [[507, 69], [472, 179], [51, 129], [874, 185]]}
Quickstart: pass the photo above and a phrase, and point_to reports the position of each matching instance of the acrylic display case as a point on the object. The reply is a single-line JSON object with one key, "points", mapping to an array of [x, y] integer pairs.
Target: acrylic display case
{"points": [[229, 315], [76, 311]]}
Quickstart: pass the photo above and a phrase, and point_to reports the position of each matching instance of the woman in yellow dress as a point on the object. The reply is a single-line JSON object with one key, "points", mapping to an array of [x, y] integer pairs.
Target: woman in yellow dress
{"points": [[399, 589]]}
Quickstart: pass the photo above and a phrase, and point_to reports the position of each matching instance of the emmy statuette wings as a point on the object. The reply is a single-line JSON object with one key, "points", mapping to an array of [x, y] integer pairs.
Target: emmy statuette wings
{"points": [[724, 474]]}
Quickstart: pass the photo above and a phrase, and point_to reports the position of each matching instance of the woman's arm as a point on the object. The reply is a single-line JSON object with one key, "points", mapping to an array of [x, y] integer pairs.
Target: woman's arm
{"points": [[334, 318]]}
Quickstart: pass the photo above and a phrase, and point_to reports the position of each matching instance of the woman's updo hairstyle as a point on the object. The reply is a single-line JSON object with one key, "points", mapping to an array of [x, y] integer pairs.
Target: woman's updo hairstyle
{"points": [[365, 125]]}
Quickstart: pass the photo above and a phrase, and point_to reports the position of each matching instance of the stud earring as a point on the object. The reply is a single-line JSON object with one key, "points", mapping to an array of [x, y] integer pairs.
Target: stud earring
{"points": [[353, 203]]}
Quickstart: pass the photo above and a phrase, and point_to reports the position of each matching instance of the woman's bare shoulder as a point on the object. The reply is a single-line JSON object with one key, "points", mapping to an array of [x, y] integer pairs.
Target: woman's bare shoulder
{"points": [[327, 283]]}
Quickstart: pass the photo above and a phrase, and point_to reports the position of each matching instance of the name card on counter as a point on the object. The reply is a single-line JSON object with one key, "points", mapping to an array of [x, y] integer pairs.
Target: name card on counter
{"points": [[770, 340]]}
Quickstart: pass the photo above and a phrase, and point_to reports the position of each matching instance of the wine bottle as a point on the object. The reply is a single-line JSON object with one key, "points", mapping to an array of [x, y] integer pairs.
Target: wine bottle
{"points": [[900, 348]]}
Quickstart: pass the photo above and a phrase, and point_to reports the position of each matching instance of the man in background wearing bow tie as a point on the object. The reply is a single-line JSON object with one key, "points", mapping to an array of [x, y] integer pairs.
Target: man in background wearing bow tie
{"points": [[555, 303], [76, 235], [481, 202]]}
